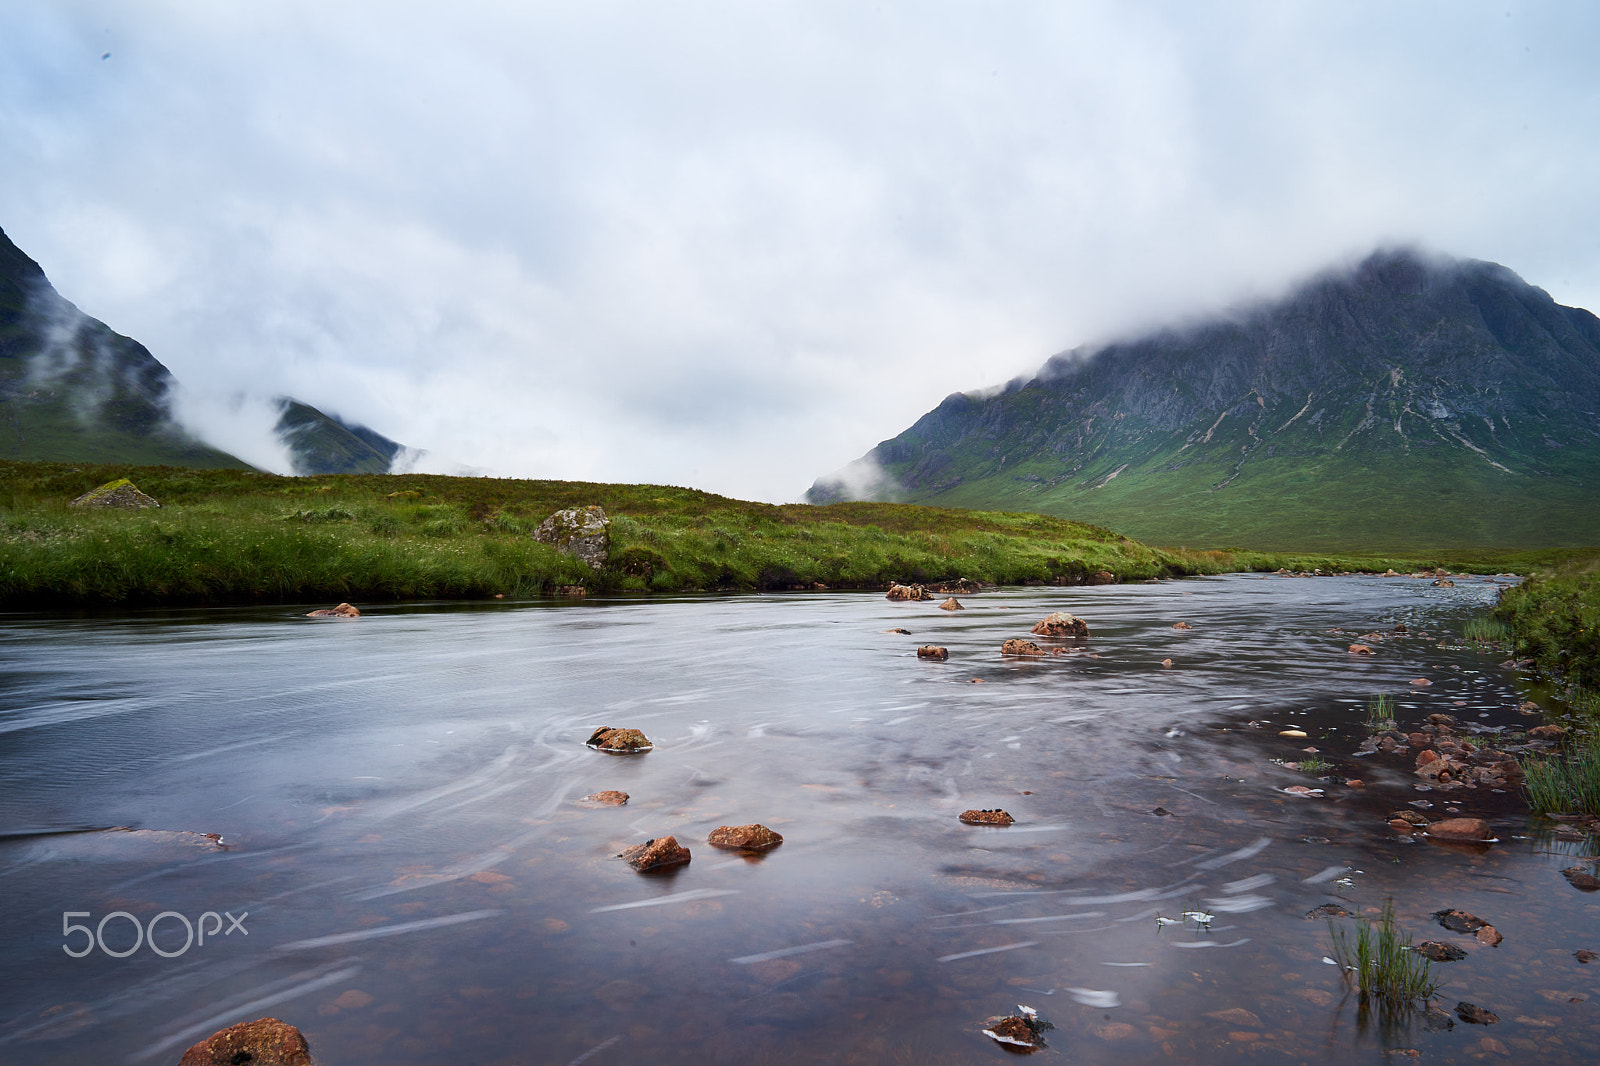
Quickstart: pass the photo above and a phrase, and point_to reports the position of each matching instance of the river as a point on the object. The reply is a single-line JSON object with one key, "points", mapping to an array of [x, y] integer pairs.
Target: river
{"points": [[406, 877]]}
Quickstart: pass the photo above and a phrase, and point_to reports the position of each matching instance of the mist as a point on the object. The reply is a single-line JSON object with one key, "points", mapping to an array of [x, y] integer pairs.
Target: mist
{"points": [[734, 246]]}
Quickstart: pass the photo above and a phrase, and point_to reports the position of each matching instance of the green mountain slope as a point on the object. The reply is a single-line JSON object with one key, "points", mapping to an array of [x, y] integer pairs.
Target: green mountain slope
{"points": [[73, 390], [1412, 402], [325, 444]]}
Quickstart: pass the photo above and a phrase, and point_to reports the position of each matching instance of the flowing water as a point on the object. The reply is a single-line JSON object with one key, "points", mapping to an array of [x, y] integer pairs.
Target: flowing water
{"points": [[412, 881]]}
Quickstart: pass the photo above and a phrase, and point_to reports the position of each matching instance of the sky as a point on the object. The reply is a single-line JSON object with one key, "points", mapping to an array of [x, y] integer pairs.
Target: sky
{"points": [[733, 245]]}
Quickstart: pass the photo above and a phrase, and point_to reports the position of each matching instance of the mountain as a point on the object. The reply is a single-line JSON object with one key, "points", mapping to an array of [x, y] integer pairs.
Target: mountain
{"points": [[73, 390], [1413, 401]]}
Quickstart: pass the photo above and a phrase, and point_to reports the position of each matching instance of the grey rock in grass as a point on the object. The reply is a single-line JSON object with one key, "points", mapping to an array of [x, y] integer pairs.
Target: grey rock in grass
{"points": [[120, 494], [582, 532]]}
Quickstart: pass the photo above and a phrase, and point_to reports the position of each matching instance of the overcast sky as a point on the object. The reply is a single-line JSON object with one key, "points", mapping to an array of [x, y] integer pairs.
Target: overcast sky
{"points": [[734, 245]]}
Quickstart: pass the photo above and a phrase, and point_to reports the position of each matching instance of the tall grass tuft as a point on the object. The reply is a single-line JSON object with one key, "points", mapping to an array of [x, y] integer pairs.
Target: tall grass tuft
{"points": [[1379, 961], [1380, 714], [1486, 629], [1569, 785]]}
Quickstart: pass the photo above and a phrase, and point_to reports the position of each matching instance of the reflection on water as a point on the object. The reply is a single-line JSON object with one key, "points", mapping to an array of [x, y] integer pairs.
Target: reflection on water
{"points": [[396, 800]]}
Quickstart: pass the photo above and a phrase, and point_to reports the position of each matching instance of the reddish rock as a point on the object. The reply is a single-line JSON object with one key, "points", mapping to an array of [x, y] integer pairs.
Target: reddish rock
{"points": [[952, 604], [1061, 624], [1360, 649], [1417, 740], [263, 1042], [1016, 646], [344, 610], [1101, 577], [608, 739], [1400, 827], [994, 817], [1236, 1016], [908, 592], [1015, 1031], [1547, 732], [1469, 829], [1434, 950], [1166, 662], [1182, 625], [934, 652], [1409, 816], [1459, 921], [902, 632], [1489, 936], [608, 798], [1422, 682], [655, 854], [1581, 879], [1426, 756], [744, 837], [1476, 1015]]}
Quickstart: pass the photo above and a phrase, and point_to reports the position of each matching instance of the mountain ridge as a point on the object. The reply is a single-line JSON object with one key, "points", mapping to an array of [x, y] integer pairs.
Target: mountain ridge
{"points": [[1408, 377]]}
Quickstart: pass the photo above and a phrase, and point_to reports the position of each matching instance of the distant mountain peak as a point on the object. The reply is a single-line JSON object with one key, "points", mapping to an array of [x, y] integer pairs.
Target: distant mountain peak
{"points": [[1408, 382]]}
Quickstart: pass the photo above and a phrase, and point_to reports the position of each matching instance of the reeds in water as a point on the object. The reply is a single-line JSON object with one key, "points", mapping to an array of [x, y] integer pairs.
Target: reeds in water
{"points": [[1565, 784], [1377, 958]]}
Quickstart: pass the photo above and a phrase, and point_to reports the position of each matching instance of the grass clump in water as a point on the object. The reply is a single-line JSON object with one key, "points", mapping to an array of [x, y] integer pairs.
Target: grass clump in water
{"points": [[1380, 714], [1315, 766], [1377, 958], [1486, 629], [1569, 785]]}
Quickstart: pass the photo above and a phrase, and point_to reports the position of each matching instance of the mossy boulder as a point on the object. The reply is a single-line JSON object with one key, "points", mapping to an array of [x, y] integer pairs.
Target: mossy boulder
{"points": [[582, 532], [120, 494]]}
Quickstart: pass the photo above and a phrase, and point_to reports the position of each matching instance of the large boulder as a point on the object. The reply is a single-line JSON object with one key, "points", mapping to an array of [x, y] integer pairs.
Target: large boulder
{"points": [[1061, 624], [120, 494], [582, 532], [263, 1042]]}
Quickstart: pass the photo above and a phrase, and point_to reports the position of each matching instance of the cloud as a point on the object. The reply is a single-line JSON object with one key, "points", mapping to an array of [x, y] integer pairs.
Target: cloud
{"points": [[735, 245]]}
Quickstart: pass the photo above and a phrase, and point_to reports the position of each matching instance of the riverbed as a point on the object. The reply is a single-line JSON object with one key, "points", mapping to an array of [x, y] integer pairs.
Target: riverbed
{"points": [[395, 797]]}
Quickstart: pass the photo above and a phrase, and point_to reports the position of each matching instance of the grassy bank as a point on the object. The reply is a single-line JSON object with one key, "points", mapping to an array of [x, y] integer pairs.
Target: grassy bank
{"points": [[1554, 617], [237, 536]]}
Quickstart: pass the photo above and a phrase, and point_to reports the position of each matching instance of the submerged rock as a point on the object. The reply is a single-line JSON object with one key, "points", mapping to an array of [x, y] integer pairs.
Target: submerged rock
{"points": [[934, 652], [263, 1042], [1433, 949], [655, 854], [1328, 910], [1360, 649], [754, 837], [608, 798], [1476, 1015], [608, 739], [120, 494], [1017, 646], [1585, 956], [581, 532], [1581, 879], [1061, 624], [344, 610], [1458, 921], [952, 604], [990, 817]]}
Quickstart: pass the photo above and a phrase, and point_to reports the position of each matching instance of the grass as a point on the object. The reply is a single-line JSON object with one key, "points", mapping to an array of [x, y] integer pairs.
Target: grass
{"points": [[1554, 618], [1315, 766], [1565, 785], [1486, 629], [1380, 714], [1379, 961]]}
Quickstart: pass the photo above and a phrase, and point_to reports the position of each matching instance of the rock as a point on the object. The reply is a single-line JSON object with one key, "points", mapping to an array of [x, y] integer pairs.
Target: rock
{"points": [[608, 798], [994, 817], [1016, 646], [1436, 1018], [1024, 1030], [952, 604], [1469, 829], [1061, 624], [902, 632], [908, 592], [1444, 583], [1489, 936], [1581, 879], [1585, 956], [1426, 756], [1162, 812], [1182, 625], [1166, 663], [1547, 732], [582, 532], [1401, 827], [344, 610], [934, 652], [263, 1042], [1291, 732], [120, 494], [655, 854], [1422, 682], [1432, 949], [1360, 649], [1101, 577], [1458, 921], [1328, 910], [744, 837], [1409, 816], [572, 590], [608, 739], [1236, 1016], [1476, 1015]]}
